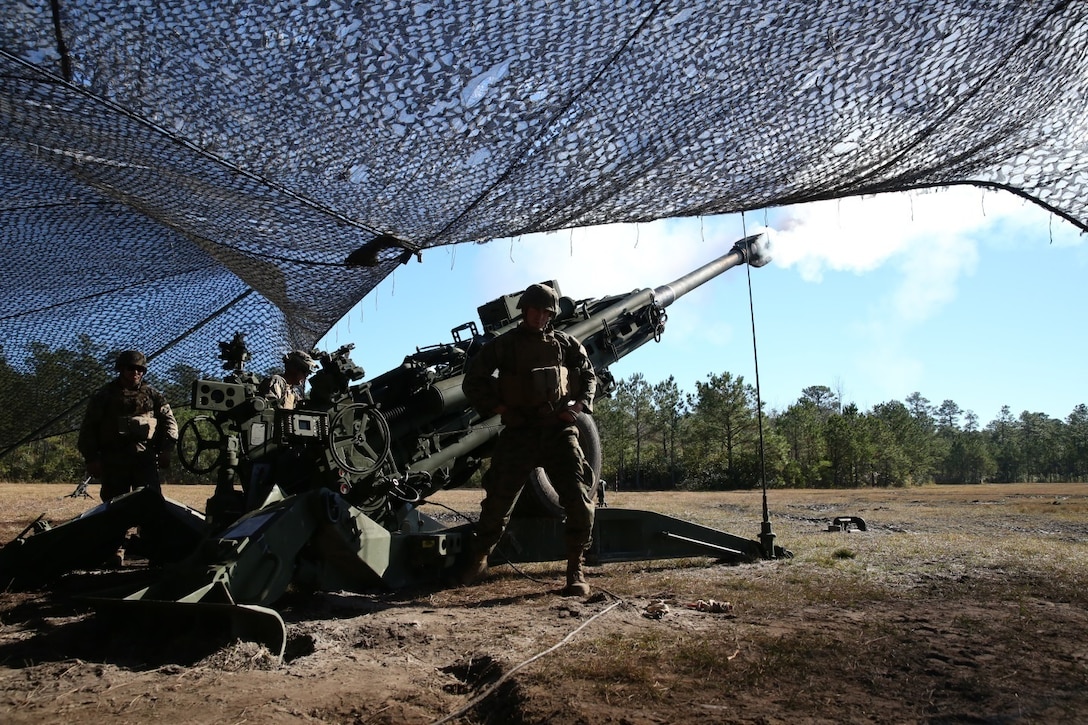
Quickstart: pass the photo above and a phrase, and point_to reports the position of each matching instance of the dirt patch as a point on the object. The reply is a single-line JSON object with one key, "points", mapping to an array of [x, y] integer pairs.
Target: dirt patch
{"points": [[956, 605]]}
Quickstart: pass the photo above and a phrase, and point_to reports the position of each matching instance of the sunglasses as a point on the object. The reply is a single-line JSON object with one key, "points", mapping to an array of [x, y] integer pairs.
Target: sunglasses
{"points": [[136, 368]]}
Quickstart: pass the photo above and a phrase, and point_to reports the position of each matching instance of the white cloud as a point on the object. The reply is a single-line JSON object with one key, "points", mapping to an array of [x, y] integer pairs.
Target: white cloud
{"points": [[920, 244], [858, 234], [930, 270], [929, 239]]}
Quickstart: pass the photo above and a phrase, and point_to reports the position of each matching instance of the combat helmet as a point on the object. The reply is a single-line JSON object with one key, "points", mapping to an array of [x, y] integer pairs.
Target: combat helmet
{"points": [[131, 359], [299, 360], [539, 295]]}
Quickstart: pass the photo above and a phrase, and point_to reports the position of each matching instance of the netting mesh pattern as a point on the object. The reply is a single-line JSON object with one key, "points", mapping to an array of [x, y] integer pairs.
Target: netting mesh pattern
{"points": [[172, 173]]}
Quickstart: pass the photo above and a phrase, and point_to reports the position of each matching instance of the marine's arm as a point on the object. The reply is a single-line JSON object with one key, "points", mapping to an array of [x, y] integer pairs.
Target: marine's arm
{"points": [[275, 390], [166, 430], [479, 383], [577, 362]]}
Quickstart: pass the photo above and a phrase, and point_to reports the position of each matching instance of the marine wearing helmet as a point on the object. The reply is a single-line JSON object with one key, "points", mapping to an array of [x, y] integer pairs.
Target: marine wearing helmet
{"points": [[540, 296], [539, 380], [283, 390], [299, 360], [128, 430], [131, 358]]}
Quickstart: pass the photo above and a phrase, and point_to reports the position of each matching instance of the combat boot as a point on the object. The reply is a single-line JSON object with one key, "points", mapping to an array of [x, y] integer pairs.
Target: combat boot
{"points": [[576, 578], [477, 567]]}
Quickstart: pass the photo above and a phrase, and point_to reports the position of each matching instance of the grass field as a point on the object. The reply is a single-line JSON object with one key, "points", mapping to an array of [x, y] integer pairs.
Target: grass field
{"points": [[957, 604]]}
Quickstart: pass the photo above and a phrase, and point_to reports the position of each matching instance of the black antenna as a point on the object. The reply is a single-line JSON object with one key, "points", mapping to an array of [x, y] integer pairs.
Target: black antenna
{"points": [[766, 533]]}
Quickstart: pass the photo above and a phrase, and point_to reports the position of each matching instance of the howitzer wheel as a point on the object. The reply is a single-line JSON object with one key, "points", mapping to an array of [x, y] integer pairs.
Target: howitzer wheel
{"points": [[541, 497], [200, 444], [359, 439]]}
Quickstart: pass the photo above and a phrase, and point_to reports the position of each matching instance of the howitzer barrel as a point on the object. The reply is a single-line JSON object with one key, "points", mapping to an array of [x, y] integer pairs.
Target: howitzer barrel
{"points": [[751, 249]]}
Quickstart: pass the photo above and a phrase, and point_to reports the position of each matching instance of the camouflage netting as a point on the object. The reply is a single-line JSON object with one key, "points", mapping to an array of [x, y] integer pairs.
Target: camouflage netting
{"points": [[174, 172]]}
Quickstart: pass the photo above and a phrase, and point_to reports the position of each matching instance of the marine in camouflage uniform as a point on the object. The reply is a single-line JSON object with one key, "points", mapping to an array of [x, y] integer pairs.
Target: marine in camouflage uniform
{"points": [[545, 379], [282, 390], [128, 430]]}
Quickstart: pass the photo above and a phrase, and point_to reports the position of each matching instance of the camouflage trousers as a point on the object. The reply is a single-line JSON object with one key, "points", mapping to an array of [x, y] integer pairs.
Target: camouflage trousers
{"points": [[518, 451], [128, 471]]}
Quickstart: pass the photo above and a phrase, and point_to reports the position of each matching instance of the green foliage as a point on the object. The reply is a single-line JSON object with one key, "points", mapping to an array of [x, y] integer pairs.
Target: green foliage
{"points": [[714, 439], [654, 435], [38, 439], [51, 459], [27, 398]]}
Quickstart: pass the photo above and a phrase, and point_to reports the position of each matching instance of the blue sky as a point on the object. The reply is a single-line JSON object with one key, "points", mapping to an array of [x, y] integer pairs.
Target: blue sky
{"points": [[963, 294]]}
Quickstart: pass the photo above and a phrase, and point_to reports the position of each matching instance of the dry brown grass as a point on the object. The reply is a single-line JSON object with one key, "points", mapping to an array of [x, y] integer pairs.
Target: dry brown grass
{"points": [[959, 604]]}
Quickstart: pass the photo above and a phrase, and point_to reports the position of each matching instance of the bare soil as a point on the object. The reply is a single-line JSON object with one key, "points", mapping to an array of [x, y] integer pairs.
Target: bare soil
{"points": [[956, 604]]}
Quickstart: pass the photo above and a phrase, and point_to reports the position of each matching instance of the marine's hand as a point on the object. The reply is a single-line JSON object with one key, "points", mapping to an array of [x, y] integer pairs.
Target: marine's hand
{"points": [[94, 469], [570, 414]]}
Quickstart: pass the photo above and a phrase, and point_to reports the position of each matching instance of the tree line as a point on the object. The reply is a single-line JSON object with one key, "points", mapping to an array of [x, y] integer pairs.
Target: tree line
{"points": [[654, 436]]}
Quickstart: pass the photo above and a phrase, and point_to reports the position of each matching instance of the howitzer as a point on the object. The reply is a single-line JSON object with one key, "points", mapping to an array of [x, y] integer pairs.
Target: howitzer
{"points": [[327, 496], [410, 431]]}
